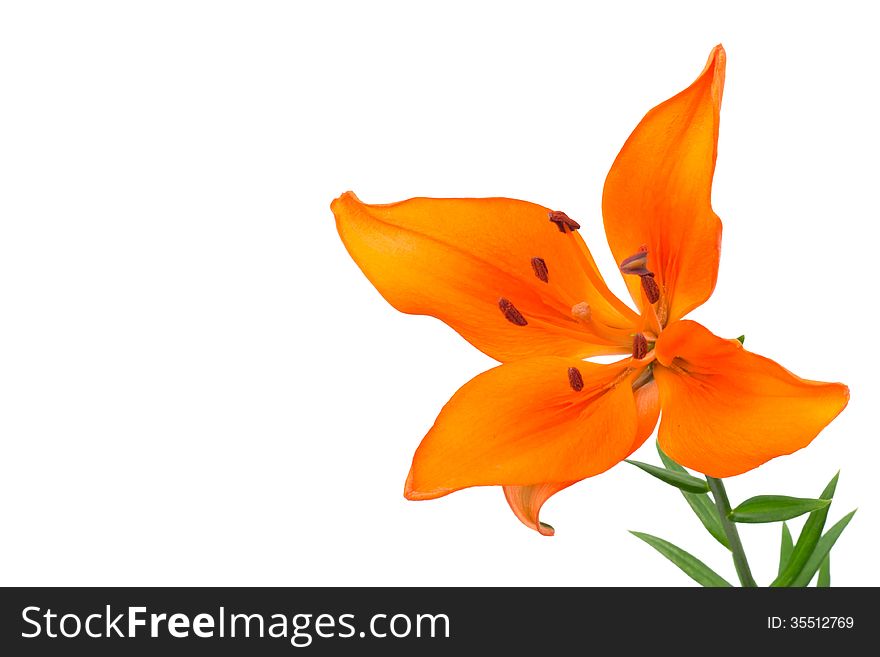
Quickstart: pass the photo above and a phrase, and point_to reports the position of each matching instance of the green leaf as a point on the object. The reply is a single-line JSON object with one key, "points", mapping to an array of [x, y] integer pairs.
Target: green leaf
{"points": [[785, 548], [825, 573], [807, 541], [702, 505], [823, 548], [692, 567], [742, 339], [773, 508], [680, 480]]}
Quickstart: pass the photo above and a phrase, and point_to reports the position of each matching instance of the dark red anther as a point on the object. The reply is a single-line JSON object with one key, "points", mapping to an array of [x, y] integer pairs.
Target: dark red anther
{"points": [[540, 269], [511, 314], [640, 346], [575, 380], [652, 290], [563, 222], [636, 264]]}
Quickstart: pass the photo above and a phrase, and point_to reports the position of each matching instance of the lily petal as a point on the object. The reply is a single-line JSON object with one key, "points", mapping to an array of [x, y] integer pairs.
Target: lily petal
{"points": [[648, 408], [528, 422], [658, 194], [496, 270], [526, 501], [727, 410]]}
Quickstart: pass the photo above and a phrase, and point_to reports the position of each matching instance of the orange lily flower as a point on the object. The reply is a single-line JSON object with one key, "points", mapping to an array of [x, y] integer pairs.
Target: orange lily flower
{"points": [[516, 280]]}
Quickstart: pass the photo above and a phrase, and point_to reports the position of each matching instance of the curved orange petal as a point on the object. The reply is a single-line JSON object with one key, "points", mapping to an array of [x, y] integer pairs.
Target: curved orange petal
{"points": [[727, 410], [658, 194], [528, 422], [526, 501], [496, 270]]}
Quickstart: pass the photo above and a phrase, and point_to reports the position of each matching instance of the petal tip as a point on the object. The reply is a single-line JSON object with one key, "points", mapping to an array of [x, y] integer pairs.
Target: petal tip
{"points": [[408, 488], [411, 492], [526, 503], [844, 397], [717, 59], [342, 199], [546, 530], [717, 66]]}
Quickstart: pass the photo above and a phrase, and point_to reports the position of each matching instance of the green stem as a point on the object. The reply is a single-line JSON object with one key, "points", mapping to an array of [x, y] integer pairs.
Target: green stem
{"points": [[736, 546]]}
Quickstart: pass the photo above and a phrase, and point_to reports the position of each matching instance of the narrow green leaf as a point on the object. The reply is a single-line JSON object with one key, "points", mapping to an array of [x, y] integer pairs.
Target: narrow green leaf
{"points": [[809, 538], [692, 567], [825, 573], [668, 462], [680, 480], [773, 508], [742, 339], [785, 548], [703, 505], [823, 548]]}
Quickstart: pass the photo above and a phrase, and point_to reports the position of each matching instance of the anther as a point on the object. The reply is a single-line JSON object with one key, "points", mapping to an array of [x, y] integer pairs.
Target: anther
{"points": [[575, 380], [563, 222], [581, 311], [652, 290], [640, 346], [636, 264], [540, 269], [511, 314]]}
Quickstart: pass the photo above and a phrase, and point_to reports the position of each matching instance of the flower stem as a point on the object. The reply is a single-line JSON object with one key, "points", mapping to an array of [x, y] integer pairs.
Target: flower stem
{"points": [[722, 504]]}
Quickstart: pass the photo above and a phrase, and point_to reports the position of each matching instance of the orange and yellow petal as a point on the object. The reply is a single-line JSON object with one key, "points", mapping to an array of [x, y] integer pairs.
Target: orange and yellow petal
{"points": [[528, 422], [526, 501], [727, 410], [658, 194], [498, 271]]}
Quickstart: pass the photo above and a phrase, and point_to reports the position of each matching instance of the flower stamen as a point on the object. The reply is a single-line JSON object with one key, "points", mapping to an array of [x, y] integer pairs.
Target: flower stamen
{"points": [[575, 380], [649, 285], [511, 314], [636, 264], [540, 269], [640, 346], [563, 222]]}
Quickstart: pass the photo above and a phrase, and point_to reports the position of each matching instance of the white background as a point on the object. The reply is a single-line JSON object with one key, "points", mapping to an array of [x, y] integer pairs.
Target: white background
{"points": [[198, 386]]}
